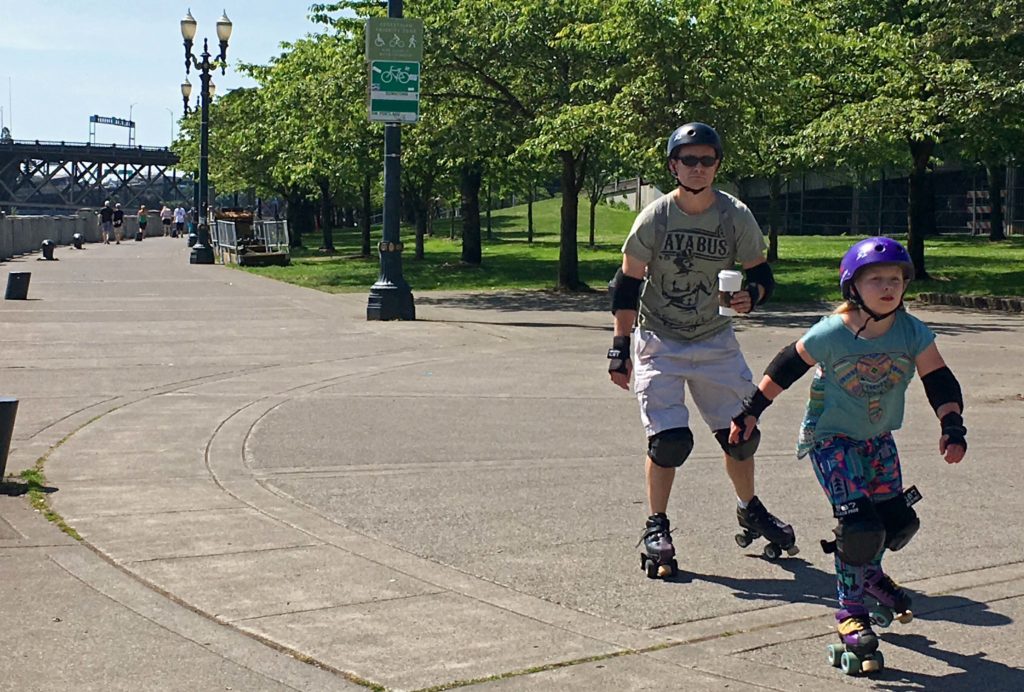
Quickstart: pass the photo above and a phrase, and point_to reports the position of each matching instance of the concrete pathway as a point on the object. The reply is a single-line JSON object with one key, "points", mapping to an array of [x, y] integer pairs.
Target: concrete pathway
{"points": [[274, 493]]}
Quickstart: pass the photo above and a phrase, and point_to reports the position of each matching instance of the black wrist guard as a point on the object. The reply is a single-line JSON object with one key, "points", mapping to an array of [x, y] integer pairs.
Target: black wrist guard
{"points": [[953, 427], [618, 355], [754, 405]]}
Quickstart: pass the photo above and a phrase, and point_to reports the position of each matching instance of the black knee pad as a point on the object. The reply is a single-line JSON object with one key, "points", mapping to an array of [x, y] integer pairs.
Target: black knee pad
{"points": [[671, 447], [742, 451], [860, 533], [900, 521]]}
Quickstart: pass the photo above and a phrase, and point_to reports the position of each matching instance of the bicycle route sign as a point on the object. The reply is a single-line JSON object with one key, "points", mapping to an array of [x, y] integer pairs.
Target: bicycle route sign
{"points": [[394, 91], [394, 49]]}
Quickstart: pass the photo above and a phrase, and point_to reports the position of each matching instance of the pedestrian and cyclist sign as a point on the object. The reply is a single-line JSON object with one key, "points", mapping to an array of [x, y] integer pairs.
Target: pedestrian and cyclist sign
{"points": [[394, 48]]}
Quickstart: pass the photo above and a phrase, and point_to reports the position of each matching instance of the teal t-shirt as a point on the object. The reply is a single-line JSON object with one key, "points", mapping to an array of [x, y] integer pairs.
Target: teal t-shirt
{"points": [[860, 385]]}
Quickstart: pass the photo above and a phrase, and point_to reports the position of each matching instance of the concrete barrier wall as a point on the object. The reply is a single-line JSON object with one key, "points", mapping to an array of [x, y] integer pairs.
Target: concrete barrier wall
{"points": [[25, 234]]}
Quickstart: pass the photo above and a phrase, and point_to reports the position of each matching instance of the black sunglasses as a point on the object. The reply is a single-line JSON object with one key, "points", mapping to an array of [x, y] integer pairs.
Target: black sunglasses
{"points": [[692, 161]]}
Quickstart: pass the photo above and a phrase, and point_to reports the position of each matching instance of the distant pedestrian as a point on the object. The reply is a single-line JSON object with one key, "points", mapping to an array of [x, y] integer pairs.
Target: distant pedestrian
{"points": [[118, 223], [106, 222], [165, 219], [179, 221], [143, 222]]}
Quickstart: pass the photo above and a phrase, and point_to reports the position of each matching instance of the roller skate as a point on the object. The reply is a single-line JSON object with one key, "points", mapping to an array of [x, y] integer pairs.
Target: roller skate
{"points": [[756, 521], [857, 651], [893, 601], [659, 556]]}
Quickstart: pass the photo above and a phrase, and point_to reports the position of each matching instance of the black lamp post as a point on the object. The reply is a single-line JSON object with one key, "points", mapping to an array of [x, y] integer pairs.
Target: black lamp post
{"points": [[202, 253], [391, 297]]}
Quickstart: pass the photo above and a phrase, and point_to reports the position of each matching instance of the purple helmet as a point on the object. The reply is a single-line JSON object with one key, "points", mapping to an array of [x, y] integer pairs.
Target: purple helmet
{"points": [[878, 250]]}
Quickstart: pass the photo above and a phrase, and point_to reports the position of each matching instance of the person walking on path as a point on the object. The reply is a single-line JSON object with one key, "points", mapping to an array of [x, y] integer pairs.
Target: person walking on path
{"points": [[866, 353], [165, 219], [118, 222], [665, 297], [106, 222], [143, 222], [179, 221]]}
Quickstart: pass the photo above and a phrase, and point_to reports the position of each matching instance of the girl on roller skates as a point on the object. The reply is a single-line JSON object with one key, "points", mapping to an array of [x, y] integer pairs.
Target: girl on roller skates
{"points": [[866, 353]]}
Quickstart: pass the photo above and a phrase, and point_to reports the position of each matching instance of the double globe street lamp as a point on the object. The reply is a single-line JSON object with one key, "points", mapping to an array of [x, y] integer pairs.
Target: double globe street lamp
{"points": [[202, 253]]}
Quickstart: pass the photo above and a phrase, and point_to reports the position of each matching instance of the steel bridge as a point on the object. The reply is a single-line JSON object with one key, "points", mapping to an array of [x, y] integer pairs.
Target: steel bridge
{"points": [[40, 176]]}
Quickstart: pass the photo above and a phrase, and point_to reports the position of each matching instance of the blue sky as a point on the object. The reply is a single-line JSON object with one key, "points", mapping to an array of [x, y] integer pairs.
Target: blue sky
{"points": [[65, 60]]}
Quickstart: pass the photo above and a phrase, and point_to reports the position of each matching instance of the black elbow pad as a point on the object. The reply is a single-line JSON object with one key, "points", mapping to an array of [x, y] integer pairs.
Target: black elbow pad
{"points": [[625, 292], [763, 277], [787, 367], [942, 388]]}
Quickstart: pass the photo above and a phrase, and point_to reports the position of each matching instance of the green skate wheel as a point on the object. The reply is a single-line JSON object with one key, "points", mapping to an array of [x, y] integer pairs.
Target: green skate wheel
{"points": [[834, 652], [881, 616], [849, 663]]}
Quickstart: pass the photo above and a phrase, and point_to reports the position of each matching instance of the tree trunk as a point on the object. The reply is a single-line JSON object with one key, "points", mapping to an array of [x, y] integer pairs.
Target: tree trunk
{"points": [[529, 217], [364, 216], [490, 229], [920, 210], [424, 204], [996, 174], [593, 218], [568, 256], [471, 175], [297, 218], [326, 224], [774, 221]]}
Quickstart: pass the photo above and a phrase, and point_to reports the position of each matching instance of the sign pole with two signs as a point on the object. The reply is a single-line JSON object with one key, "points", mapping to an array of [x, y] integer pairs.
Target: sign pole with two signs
{"points": [[394, 50]]}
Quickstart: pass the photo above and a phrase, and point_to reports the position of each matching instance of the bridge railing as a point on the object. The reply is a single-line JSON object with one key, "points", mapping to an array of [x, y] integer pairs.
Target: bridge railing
{"points": [[77, 145]]}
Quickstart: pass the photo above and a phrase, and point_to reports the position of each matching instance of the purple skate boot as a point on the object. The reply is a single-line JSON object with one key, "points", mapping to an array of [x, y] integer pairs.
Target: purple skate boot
{"points": [[659, 556], [756, 521], [893, 601], [857, 651]]}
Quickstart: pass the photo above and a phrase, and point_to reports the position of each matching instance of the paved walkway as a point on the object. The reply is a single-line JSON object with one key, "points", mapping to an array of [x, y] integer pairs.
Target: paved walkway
{"points": [[274, 493]]}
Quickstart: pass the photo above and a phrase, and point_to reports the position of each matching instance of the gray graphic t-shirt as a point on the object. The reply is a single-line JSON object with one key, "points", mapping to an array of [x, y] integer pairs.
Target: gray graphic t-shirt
{"points": [[679, 299]]}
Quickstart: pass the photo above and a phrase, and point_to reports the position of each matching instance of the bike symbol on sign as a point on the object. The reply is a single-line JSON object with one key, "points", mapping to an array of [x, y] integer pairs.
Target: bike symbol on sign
{"points": [[396, 42], [394, 73]]}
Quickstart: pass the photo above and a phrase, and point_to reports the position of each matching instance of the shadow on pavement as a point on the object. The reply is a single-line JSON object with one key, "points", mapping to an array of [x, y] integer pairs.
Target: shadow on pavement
{"points": [[959, 609], [18, 488], [977, 671], [808, 585], [516, 301]]}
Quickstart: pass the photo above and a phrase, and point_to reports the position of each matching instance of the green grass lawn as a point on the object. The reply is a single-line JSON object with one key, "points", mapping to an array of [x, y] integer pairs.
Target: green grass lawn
{"points": [[807, 269]]}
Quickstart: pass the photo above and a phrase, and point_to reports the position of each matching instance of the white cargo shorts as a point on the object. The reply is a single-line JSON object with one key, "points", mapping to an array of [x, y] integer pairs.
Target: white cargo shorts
{"points": [[713, 369]]}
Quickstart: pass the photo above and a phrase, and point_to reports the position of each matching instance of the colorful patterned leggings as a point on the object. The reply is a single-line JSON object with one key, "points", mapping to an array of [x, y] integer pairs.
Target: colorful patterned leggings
{"points": [[849, 469]]}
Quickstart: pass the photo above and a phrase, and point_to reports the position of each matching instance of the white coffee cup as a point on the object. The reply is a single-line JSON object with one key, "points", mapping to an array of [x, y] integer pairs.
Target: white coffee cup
{"points": [[729, 281]]}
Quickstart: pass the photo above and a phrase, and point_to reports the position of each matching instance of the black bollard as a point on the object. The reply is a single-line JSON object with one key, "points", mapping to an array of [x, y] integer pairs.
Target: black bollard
{"points": [[192, 239], [47, 248], [77, 240], [8, 411], [17, 285]]}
